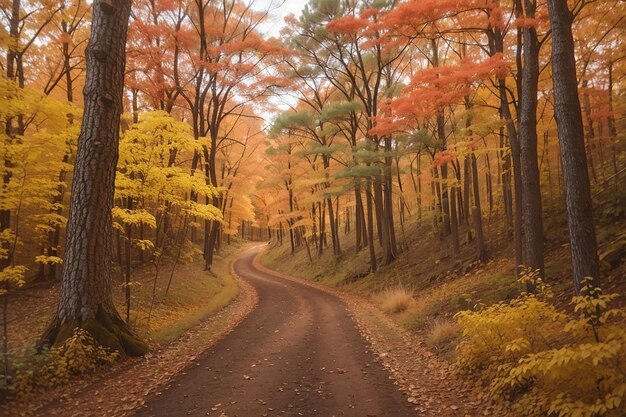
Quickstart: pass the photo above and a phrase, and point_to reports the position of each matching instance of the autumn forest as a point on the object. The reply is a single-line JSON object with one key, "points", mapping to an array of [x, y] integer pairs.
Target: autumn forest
{"points": [[313, 207]]}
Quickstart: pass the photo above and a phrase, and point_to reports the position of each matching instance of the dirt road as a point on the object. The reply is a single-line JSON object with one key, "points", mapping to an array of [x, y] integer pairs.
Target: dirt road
{"points": [[298, 354]]}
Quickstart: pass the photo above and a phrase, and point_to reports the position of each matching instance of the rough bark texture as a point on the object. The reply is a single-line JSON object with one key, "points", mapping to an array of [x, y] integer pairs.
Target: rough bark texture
{"points": [[478, 219], [86, 293], [572, 141], [531, 188]]}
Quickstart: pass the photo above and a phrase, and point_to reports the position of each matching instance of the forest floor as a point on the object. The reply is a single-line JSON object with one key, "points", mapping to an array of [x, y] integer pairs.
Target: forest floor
{"points": [[197, 311], [424, 288], [316, 352], [284, 347]]}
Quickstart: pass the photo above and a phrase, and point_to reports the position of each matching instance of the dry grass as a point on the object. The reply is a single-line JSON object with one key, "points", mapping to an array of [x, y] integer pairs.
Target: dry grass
{"points": [[442, 332], [395, 300]]}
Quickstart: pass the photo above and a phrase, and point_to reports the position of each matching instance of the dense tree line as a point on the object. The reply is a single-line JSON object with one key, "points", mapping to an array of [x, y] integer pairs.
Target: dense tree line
{"points": [[451, 98]]}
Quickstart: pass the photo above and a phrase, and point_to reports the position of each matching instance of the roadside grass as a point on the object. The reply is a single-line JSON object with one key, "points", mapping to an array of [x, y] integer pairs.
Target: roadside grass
{"points": [[395, 300], [440, 285], [442, 336], [194, 296], [422, 285]]}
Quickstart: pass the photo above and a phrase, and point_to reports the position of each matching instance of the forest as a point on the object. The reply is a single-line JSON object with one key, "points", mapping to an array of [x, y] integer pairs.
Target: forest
{"points": [[453, 171]]}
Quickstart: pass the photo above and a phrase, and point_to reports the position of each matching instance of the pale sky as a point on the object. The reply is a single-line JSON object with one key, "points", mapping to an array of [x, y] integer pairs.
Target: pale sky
{"points": [[280, 8]]}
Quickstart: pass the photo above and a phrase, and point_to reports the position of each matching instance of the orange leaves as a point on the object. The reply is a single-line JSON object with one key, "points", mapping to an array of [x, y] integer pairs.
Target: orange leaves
{"points": [[347, 25], [525, 22], [444, 157], [465, 73], [370, 12], [276, 81], [435, 88]]}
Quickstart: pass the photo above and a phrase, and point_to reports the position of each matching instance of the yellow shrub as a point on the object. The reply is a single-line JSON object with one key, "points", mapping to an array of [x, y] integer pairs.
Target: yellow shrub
{"points": [[545, 362], [78, 355]]}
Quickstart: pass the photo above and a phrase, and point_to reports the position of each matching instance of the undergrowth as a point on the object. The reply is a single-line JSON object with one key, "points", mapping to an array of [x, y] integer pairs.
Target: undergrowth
{"points": [[544, 361], [80, 354], [194, 296], [396, 300]]}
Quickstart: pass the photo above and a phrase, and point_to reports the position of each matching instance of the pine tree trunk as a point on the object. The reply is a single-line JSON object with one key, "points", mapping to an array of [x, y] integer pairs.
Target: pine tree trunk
{"points": [[571, 137], [531, 188], [611, 123], [478, 218], [358, 222], [370, 226], [86, 298], [591, 133], [454, 222]]}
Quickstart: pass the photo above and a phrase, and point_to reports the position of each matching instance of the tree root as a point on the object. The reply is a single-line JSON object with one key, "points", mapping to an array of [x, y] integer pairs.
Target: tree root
{"points": [[108, 329]]}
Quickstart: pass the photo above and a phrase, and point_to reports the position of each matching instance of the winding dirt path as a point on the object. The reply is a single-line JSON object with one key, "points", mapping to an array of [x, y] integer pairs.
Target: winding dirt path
{"points": [[299, 353]]}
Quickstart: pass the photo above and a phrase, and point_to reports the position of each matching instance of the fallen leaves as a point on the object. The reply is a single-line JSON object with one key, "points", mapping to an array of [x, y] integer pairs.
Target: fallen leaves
{"points": [[126, 387]]}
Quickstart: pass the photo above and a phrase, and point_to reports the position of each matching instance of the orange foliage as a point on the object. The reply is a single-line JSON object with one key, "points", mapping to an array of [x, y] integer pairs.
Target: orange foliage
{"points": [[347, 25]]}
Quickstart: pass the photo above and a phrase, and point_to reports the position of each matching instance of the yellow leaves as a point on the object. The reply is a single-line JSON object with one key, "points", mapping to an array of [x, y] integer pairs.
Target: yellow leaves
{"points": [[551, 362], [204, 211], [302, 223], [143, 245], [48, 260], [518, 345], [13, 275], [134, 217], [78, 355]]}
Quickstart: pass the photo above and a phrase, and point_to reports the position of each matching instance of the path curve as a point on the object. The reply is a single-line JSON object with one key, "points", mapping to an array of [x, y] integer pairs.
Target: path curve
{"points": [[298, 354]]}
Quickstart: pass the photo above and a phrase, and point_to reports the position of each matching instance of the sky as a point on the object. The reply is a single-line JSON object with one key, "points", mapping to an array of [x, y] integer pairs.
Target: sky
{"points": [[281, 8]]}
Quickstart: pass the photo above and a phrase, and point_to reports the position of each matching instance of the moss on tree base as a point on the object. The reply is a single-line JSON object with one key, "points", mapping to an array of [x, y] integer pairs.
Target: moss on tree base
{"points": [[107, 329]]}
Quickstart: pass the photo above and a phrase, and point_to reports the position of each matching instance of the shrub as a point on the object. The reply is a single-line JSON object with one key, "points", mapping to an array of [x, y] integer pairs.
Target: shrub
{"points": [[397, 300], [442, 332], [78, 355], [545, 362]]}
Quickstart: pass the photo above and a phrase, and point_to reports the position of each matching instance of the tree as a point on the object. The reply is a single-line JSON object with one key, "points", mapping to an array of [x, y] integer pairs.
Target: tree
{"points": [[86, 299], [531, 187], [569, 120]]}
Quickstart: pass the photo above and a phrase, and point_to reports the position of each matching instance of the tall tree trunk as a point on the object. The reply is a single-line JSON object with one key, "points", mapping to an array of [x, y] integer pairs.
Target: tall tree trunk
{"points": [[507, 195], [518, 219], [531, 188], [358, 216], [86, 298], [591, 133], [370, 226], [466, 189], [611, 123], [445, 203], [478, 218], [454, 222], [570, 127]]}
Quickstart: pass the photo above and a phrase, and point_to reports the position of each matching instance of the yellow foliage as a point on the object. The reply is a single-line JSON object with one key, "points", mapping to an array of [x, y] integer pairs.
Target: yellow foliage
{"points": [[12, 275], [80, 354], [546, 362], [47, 260]]}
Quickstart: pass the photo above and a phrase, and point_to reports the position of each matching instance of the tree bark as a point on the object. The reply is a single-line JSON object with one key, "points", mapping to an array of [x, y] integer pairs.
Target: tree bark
{"points": [[571, 137], [86, 299], [370, 225], [531, 188], [478, 218]]}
